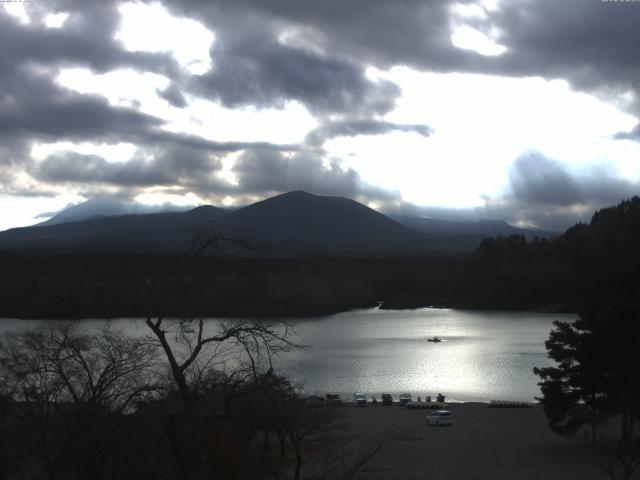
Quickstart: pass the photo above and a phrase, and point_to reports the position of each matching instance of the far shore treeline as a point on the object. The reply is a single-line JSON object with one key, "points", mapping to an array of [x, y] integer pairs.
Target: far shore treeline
{"points": [[595, 262]]}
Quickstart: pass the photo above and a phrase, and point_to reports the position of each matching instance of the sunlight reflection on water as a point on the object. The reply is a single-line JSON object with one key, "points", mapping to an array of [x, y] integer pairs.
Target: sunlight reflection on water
{"points": [[482, 355]]}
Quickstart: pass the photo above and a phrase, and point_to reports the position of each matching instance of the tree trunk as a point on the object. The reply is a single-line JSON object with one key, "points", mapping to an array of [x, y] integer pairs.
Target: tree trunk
{"points": [[282, 439], [296, 475], [178, 373]]}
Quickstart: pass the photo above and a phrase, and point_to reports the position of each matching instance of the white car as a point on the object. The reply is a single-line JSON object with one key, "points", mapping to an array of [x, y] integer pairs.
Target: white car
{"points": [[439, 417], [359, 399]]}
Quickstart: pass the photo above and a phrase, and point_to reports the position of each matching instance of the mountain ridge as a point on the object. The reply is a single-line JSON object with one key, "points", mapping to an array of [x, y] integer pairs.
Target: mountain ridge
{"points": [[291, 223]]}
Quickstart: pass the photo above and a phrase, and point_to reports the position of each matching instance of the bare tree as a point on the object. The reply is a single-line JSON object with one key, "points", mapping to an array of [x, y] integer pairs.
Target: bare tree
{"points": [[69, 391], [192, 346], [57, 362], [246, 346]]}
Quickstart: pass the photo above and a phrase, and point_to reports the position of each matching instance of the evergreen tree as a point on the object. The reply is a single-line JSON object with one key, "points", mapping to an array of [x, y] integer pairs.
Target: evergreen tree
{"points": [[597, 372]]}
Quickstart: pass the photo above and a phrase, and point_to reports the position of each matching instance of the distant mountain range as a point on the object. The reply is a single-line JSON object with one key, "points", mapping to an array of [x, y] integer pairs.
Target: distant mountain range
{"points": [[294, 223], [482, 228], [102, 207]]}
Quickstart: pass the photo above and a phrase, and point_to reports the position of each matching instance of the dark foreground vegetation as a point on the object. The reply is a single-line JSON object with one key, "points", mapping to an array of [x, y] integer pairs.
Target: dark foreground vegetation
{"points": [[595, 262], [593, 388], [182, 402]]}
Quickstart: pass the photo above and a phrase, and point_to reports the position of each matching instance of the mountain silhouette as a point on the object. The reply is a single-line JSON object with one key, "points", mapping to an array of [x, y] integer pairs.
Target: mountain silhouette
{"points": [[294, 223], [299, 221], [481, 228], [167, 232], [100, 207]]}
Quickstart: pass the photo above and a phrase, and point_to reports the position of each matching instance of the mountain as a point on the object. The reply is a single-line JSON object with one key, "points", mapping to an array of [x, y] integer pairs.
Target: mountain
{"points": [[303, 222], [99, 206], [480, 228], [164, 232], [293, 223]]}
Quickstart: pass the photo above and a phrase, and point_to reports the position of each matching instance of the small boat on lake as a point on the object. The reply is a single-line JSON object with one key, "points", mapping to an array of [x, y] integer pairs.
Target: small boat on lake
{"points": [[434, 339]]}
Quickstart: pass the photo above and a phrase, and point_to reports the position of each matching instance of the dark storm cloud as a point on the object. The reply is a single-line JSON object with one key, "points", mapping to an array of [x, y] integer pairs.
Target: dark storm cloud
{"points": [[76, 168], [632, 135], [253, 66], [352, 128], [259, 171], [266, 74], [380, 32], [548, 194], [591, 43], [538, 180], [173, 95], [86, 39], [34, 106], [543, 193], [174, 166]]}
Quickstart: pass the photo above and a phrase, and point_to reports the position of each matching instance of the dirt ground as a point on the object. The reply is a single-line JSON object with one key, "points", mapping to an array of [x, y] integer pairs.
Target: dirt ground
{"points": [[482, 443]]}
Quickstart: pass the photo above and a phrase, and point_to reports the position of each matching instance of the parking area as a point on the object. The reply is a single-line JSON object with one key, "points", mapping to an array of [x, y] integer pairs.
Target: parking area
{"points": [[482, 443]]}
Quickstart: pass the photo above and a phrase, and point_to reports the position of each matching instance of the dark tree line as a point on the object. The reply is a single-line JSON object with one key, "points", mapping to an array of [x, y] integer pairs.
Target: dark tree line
{"points": [[595, 384]]}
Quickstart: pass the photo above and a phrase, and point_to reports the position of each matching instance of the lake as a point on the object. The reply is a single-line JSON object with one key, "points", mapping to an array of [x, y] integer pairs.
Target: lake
{"points": [[483, 355]]}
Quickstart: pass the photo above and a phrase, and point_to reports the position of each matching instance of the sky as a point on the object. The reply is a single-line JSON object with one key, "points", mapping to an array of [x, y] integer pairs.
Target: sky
{"points": [[524, 110]]}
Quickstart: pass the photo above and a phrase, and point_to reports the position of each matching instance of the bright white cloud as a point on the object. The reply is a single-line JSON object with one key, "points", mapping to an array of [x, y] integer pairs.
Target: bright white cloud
{"points": [[18, 11], [56, 20], [154, 197], [124, 88], [22, 211], [469, 38], [481, 125], [201, 117], [118, 152], [469, 10], [210, 120], [150, 27]]}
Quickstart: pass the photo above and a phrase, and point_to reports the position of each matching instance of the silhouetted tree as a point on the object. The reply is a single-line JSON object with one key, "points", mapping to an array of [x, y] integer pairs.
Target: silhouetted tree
{"points": [[68, 390], [597, 374]]}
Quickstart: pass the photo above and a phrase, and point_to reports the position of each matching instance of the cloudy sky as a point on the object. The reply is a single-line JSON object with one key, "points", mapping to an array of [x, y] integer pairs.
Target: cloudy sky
{"points": [[525, 110]]}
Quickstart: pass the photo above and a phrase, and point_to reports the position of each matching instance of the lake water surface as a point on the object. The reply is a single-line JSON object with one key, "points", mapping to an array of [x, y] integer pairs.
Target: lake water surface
{"points": [[482, 355]]}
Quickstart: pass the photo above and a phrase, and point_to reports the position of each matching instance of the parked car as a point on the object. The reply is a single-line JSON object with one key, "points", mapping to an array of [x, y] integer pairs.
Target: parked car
{"points": [[359, 399], [387, 399], [405, 398], [439, 417]]}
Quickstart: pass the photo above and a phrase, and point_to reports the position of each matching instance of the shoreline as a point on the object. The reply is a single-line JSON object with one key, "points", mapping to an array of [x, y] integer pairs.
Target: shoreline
{"points": [[291, 316]]}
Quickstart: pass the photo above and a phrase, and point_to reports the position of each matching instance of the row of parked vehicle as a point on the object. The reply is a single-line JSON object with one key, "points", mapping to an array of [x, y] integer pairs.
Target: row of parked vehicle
{"points": [[437, 417], [404, 400]]}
